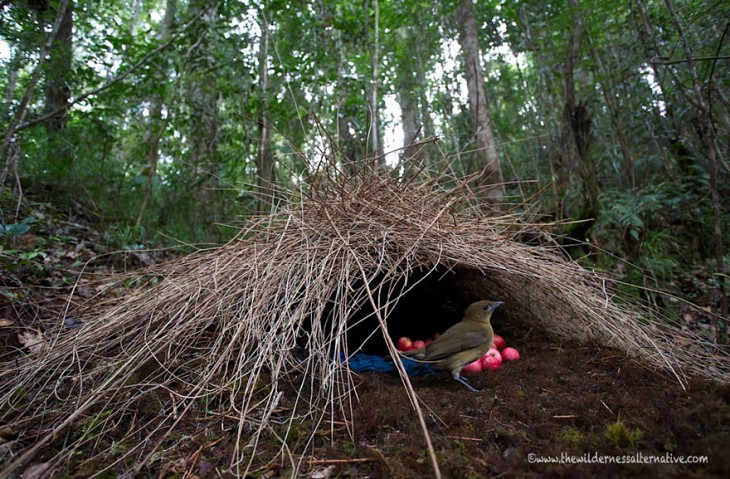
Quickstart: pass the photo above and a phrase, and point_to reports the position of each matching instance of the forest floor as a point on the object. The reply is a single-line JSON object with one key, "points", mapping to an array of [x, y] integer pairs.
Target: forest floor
{"points": [[585, 405], [560, 401]]}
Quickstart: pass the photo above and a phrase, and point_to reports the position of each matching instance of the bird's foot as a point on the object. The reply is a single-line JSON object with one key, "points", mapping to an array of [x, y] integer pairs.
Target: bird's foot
{"points": [[466, 383]]}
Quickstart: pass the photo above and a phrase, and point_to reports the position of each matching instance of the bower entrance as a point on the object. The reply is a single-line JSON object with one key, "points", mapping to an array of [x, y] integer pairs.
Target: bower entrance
{"points": [[223, 323], [434, 301]]}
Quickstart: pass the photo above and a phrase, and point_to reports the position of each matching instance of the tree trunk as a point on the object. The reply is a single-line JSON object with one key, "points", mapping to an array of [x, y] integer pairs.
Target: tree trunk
{"points": [[651, 49], [374, 133], [410, 85], [13, 66], [575, 128], [156, 125], [406, 87], [58, 91], [628, 165], [490, 187], [708, 136], [135, 17], [202, 96], [424, 109], [265, 160], [9, 150], [409, 119], [550, 123], [568, 148], [345, 142]]}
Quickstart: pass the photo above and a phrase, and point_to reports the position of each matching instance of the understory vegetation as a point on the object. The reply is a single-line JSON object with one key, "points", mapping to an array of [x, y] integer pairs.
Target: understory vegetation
{"points": [[308, 151], [166, 123]]}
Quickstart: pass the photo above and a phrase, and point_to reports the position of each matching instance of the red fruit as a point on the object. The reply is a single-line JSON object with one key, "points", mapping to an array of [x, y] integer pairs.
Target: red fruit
{"points": [[510, 354], [473, 367], [492, 360], [428, 341], [404, 343], [418, 344], [499, 342]]}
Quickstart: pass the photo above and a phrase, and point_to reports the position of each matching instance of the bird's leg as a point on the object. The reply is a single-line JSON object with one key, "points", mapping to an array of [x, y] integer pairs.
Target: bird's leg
{"points": [[463, 381]]}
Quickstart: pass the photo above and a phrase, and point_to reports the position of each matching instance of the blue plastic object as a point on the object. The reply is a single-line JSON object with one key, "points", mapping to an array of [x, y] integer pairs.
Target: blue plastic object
{"points": [[362, 362]]}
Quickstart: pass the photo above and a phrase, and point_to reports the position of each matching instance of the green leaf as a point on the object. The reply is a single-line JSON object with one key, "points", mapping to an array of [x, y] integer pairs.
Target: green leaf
{"points": [[32, 255], [17, 229]]}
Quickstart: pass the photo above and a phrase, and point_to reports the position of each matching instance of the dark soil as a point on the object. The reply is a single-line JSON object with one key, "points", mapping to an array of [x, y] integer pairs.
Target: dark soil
{"points": [[560, 400]]}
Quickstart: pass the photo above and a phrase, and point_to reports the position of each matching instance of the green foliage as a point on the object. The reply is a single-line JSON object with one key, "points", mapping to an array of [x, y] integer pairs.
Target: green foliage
{"points": [[570, 436], [631, 281], [626, 214], [14, 259], [208, 83], [17, 229], [619, 435], [641, 234], [125, 237], [623, 215], [657, 253], [634, 225]]}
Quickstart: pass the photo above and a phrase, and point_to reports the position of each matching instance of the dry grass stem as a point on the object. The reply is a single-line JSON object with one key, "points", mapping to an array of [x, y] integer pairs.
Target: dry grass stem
{"points": [[231, 331]]}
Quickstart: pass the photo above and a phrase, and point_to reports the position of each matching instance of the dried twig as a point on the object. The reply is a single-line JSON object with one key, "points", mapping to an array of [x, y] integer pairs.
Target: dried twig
{"points": [[232, 323]]}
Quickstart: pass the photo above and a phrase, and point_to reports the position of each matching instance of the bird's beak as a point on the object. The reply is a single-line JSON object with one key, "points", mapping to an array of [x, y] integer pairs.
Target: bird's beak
{"points": [[497, 304]]}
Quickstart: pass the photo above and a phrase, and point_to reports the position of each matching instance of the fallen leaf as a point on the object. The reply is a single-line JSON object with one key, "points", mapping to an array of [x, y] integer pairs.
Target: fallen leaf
{"points": [[6, 322], [684, 342], [85, 291], [7, 433], [80, 246], [33, 340], [204, 468], [36, 471], [325, 473]]}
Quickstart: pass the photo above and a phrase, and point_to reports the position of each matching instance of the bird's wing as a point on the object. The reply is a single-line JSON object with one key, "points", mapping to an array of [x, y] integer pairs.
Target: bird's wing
{"points": [[455, 340]]}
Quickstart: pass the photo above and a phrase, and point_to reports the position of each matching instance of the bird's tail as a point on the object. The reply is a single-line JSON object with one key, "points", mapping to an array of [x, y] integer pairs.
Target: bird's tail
{"points": [[413, 352], [416, 355]]}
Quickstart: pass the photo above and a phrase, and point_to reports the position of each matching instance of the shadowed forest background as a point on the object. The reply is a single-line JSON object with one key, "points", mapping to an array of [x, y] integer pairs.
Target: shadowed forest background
{"points": [[165, 122], [345, 172]]}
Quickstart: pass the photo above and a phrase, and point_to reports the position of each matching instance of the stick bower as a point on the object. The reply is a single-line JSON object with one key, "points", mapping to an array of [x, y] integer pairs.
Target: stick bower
{"points": [[251, 333]]}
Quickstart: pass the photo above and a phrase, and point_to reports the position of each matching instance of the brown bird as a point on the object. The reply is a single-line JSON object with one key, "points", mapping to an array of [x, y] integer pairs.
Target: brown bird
{"points": [[462, 343]]}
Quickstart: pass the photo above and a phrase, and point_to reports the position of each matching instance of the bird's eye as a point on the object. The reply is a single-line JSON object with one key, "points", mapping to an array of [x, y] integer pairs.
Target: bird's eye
{"points": [[486, 306]]}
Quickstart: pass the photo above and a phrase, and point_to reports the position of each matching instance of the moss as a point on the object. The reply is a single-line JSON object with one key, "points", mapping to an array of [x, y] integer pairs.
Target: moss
{"points": [[348, 447], [570, 436], [620, 435], [95, 424]]}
